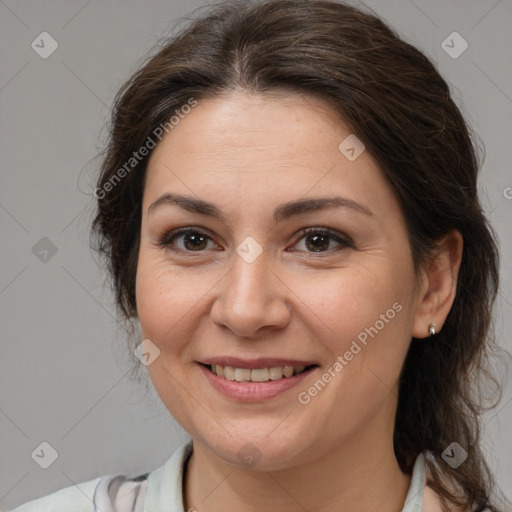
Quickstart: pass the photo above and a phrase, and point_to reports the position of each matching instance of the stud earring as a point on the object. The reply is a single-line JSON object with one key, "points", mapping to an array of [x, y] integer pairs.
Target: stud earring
{"points": [[432, 329]]}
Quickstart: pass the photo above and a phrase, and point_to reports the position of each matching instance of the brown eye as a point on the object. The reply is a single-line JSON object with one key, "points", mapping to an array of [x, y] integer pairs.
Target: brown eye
{"points": [[317, 242], [321, 240], [189, 240]]}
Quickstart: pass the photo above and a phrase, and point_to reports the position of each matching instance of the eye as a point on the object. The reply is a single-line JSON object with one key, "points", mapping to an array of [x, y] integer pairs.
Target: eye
{"points": [[317, 239], [192, 240]]}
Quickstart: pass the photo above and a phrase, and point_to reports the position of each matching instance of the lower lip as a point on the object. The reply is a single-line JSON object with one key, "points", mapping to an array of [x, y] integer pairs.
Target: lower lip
{"points": [[253, 391]]}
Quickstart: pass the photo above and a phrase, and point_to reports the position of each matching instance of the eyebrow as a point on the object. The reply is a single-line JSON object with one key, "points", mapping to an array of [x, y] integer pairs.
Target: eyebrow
{"points": [[281, 212]]}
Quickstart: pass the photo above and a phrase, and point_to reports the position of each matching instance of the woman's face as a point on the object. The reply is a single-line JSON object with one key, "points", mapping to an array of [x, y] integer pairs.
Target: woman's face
{"points": [[247, 289]]}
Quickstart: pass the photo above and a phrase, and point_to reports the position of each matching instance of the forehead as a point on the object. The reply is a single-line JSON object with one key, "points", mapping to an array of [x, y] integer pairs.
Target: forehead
{"points": [[250, 147], [239, 124]]}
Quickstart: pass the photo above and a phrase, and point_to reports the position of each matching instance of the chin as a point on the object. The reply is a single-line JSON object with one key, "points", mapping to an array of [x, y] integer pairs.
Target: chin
{"points": [[258, 452]]}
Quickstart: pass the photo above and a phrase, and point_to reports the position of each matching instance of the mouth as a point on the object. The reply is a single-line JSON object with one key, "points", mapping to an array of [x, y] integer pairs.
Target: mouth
{"points": [[271, 373], [256, 384]]}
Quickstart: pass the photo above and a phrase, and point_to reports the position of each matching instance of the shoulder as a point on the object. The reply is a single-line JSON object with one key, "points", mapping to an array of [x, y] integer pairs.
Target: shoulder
{"points": [[432, 501], [106, 493], [118, 492], [76, 498]]}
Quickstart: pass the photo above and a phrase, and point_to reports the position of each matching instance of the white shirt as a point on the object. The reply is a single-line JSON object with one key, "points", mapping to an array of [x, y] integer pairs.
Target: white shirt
{"points": [[161, 491]]}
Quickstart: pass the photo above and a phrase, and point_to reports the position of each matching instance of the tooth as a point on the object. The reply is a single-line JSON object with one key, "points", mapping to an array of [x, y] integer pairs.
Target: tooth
{"points": [[229, 373], [275, 373], [242, 374], [287, 371], [256, 375], [259, 375]]}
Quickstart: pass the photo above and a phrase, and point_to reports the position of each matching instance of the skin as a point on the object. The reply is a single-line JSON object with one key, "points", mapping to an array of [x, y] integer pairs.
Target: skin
{"points": [[247, 154]]}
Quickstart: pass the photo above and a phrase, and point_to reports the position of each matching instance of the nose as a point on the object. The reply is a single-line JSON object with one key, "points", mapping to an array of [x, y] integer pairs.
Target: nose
{"points": [[252, 300]]}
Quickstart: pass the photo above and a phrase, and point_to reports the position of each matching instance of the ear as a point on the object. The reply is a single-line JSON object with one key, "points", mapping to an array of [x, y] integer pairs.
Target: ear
{"points": [[439, 285]]}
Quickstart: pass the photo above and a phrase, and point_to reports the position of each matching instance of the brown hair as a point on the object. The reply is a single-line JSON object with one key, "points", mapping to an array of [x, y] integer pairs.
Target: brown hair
{"points": [[393, 98]]}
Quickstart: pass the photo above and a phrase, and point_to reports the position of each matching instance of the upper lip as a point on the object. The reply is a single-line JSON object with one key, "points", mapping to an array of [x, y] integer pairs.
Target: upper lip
{"points": [[260, 362]]}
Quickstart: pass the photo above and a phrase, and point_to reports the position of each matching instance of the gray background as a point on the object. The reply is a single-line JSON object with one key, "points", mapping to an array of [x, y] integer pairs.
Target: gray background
{"points": [[64, 376]]}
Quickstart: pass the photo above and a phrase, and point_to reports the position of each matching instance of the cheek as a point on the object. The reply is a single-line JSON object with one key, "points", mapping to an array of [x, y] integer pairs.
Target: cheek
{"points": [[164, 300], [167, 297], [363, 320], [361, 314], [348, 299], [160, 299]]}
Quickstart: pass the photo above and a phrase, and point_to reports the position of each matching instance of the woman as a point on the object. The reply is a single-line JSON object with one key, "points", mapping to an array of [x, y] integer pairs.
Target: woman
{"points": [[288, 206]]}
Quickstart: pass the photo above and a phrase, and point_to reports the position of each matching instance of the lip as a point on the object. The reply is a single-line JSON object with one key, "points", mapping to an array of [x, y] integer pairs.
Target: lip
{"points": [[248, 392], [251, 364]]}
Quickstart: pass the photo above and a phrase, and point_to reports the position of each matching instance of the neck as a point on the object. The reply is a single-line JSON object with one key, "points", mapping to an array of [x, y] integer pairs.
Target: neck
{"points": [[358, 475]]}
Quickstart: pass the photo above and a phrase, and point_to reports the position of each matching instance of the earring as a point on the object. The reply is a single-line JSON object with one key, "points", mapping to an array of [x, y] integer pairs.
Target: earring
{"points": [[432, 329]]}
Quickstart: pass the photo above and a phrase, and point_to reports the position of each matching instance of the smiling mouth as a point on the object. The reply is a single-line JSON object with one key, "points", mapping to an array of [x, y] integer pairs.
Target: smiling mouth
{"points": [[257, 374]]}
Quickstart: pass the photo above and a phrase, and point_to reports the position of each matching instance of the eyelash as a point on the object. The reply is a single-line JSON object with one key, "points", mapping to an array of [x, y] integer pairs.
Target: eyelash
{"points": [[167, 238]]}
